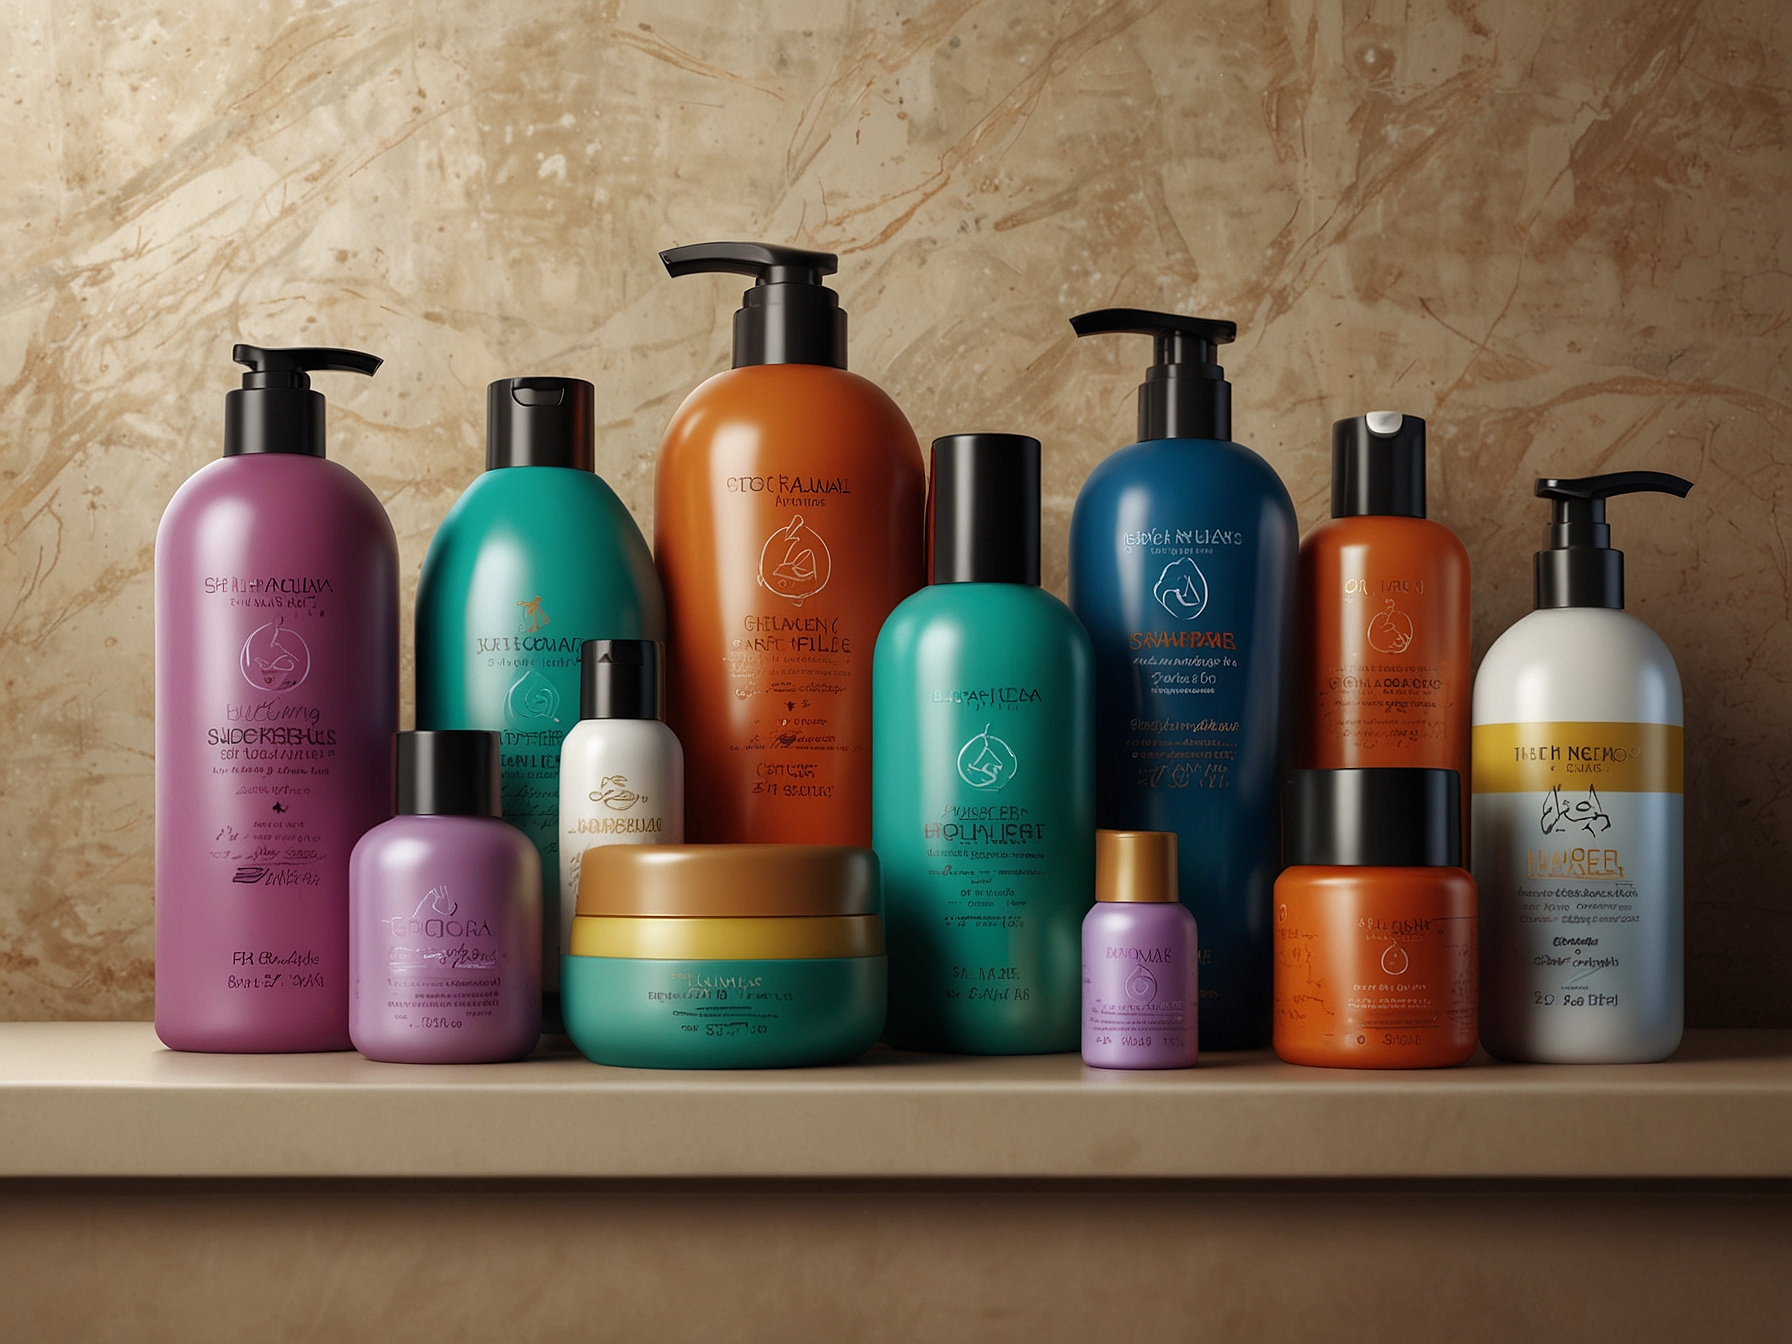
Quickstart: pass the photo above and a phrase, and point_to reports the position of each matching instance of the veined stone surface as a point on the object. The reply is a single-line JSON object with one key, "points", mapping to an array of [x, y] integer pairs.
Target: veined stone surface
{"points": [[1559, 232]]}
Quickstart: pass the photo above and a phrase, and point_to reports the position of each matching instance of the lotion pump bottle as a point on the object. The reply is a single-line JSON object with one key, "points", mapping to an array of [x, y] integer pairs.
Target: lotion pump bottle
{"points": [[276, 701], [787, 524], [1579, 744], [621, 768], [1182, 567]]}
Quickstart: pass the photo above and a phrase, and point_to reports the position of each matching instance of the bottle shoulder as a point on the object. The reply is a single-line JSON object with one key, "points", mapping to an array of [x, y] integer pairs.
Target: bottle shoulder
{"points": [[1184, 467], [274, 490], [556, 508], [1578, 665], [1383, 531], [977, 606], [771, 410]]}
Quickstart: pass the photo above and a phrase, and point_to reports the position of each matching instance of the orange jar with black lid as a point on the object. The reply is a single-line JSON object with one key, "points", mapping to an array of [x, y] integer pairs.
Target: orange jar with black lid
{"points": [[1375, 922]]}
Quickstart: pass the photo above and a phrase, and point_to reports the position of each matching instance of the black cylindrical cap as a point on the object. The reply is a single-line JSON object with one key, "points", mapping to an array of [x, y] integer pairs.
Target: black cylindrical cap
{"points": [[789, 316], [621, 679], [1378, 465], [449, 773], [275, 410], [539, 422], [1380, 818], [983, 509]]}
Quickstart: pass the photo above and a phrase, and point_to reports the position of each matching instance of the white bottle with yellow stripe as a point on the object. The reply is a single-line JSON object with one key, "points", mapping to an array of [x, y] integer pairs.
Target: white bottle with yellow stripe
{"points": [[1578, 812]]}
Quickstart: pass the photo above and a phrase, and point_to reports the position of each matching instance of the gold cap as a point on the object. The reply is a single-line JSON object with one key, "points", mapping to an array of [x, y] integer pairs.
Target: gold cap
{"points": [[722, 881], [1135, 865]]}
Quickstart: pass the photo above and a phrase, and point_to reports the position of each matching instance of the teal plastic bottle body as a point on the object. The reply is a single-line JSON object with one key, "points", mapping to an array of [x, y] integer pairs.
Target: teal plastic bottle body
{"points": [[1182, 568], [529, 563], [983, 817]]}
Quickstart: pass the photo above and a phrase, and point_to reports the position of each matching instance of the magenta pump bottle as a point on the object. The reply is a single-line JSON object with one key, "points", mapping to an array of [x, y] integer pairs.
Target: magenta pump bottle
{"points": [[445, 914], [1139, 958], [276, 622]]}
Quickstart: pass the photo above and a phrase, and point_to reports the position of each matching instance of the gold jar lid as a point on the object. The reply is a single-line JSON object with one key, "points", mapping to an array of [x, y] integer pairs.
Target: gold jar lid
{"points": [[766, 938], [1135, 866], [727, 881]]}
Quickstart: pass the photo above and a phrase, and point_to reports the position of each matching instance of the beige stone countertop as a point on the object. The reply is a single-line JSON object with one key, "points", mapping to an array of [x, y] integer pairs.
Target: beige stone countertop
{"points": [[106, 1099]]}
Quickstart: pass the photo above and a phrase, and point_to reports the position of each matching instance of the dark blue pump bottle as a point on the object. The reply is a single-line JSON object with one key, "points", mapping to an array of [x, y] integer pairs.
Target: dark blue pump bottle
{"points": [[1182, 568]]}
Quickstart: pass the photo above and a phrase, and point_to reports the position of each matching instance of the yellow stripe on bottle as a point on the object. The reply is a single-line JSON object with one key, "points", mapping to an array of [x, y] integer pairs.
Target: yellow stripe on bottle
{"points": [[1613, 757], [766, 938]]}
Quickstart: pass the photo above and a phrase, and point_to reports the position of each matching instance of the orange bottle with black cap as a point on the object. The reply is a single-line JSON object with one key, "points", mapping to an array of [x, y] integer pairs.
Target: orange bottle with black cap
{"points": [[1385, 673], [787, 524]]}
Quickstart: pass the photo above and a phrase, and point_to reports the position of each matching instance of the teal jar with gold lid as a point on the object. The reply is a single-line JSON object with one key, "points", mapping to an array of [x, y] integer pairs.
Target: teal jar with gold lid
{"points": [[725, 956]]}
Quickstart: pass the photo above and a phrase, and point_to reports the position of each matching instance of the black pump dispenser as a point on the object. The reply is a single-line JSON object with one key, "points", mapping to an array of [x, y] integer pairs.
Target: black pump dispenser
{"points": [[789, 316], [1580, 568], [983, 510], [275, 410], [1378, 466], [1185, 395], [539, 422]]}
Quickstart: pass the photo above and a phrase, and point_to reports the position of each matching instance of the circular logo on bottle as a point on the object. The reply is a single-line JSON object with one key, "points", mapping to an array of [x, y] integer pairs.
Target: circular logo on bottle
{"points": [[1182, 589], [614, 793], [986, 762], [794, 562], [1141, 985], [532, 698], [1394, 960], [275, 659], [1390, 631]]}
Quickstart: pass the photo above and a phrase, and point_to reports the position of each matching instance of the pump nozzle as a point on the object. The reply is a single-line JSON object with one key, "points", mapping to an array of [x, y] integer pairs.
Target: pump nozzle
{"points": [[789, 316], [1185, 394], [1580, 568], [275, 410]]}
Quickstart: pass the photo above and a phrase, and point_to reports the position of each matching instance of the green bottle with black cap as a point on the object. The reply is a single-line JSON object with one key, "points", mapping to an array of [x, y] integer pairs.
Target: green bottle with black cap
{"points": [[538, 556]]}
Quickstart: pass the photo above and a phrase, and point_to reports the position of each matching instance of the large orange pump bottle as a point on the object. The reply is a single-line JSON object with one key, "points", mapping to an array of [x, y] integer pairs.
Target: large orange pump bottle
{"points": [[1385, 672], [787, 524]]}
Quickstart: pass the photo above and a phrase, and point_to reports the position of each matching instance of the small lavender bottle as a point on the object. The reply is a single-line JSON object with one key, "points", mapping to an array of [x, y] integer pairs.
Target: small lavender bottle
{"points": [[445, 915], [1139, 996]]}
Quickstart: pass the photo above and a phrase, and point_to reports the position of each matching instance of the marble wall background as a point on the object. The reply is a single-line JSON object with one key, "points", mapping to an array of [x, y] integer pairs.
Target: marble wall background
{"points": [[1558, 231]]}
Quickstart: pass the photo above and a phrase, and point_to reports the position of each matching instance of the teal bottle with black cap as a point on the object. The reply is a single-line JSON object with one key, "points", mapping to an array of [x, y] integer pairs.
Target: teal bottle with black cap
{"points": [[538, 556], [983, 773]]}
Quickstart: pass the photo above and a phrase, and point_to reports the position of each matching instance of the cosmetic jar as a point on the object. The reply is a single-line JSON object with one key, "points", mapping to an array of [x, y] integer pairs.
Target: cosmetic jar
{"points": [[1375, 922], [725, 956]]}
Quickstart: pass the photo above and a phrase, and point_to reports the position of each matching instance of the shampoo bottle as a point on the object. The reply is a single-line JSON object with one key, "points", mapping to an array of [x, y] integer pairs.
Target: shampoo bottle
{"points": [[276, 701], [621, 768], [1182, 567], [1578, 812], [1385, 672], [787, 524], [985, 773], [536, 557]]}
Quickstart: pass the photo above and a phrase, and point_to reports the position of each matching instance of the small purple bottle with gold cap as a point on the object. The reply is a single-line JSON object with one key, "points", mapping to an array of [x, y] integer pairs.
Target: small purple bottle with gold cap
{"points": [[1139, 973]]}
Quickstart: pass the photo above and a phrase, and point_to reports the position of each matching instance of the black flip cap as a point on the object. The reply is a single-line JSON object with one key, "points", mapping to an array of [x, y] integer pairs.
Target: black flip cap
{"points": [[983, 509], [275, 410], [621, 679], [1580, 568], [789, 316], [449, 773], [1380, 818], [539, 422], [1378, 465], [1185, 394]]}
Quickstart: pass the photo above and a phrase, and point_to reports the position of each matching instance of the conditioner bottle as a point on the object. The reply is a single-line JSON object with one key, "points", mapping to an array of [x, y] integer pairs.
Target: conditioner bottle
{"points": [[1578, 813], [787, 524], [1182, 564], [985, 773], [276, 701]]}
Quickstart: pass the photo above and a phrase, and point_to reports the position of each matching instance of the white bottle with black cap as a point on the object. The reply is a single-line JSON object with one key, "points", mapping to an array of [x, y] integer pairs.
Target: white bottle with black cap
{"points": [[1578, 808], [621, 767]]}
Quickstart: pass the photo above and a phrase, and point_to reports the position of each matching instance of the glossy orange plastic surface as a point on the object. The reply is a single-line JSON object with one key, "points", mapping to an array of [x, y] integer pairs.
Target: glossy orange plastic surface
{"points": [[1375, 967], [787, 524]]}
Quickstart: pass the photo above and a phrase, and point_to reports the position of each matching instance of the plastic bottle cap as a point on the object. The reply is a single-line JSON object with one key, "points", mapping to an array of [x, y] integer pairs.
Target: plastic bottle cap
{"points": [[621, 679], [1135, 866], [1185, 394], [1580, 568], [1378, 466], [1374, 818], [983, 509], [539, 422], [789, 316], [449, 773], [275, 410]]}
